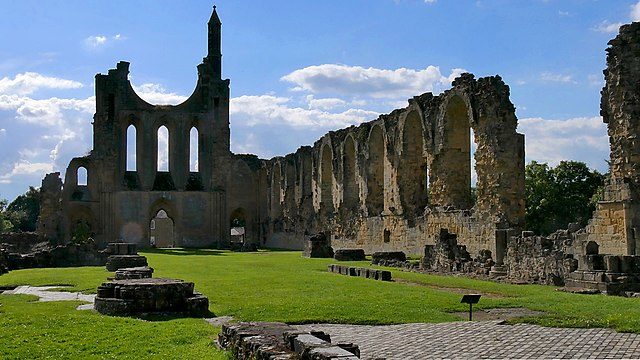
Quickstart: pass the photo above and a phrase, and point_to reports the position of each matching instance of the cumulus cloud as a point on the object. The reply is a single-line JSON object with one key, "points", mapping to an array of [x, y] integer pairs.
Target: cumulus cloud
{"points": [[156, 94], [26, 168], [324, 104], [252, 110], [29, 82], [372, 82], [583, 139], [44, 112], [97, 42]]}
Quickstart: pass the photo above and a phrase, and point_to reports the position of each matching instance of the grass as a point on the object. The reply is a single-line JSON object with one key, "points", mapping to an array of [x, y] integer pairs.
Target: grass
{"points": [[273, 286]]}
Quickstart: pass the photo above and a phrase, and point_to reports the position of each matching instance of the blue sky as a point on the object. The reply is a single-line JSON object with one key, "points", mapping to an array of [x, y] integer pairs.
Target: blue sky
{"points": [[301, 68]]}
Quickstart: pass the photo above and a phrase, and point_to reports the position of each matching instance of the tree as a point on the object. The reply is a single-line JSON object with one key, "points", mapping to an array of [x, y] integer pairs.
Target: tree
{"points": [[558, 196], [5, 223], [25, 209]]}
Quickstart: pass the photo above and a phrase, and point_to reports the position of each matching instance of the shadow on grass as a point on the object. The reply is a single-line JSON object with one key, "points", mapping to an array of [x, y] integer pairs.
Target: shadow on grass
{"points": [[157, 317], [183, 252]]}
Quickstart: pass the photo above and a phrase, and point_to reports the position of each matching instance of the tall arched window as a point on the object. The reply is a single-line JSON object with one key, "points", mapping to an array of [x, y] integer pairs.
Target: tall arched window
{"points": [[193, 150], [131, 148], [82, 174], [163, 149]]}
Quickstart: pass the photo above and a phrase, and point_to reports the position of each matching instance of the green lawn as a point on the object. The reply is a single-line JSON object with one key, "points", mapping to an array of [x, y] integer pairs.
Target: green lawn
{"points": [[270, 286]]}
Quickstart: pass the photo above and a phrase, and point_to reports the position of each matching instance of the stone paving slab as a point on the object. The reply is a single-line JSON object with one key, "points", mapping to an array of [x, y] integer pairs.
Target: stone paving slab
{"points": [[482, 340]]}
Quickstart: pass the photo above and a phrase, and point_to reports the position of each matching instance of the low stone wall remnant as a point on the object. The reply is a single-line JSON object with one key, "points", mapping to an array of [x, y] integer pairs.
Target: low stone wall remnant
{"points": [[265, 340], [375, 274]]}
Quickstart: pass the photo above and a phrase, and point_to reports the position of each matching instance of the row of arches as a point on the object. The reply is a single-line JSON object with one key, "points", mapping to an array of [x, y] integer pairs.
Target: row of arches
{"points": [[450, 152], [163, 148]]}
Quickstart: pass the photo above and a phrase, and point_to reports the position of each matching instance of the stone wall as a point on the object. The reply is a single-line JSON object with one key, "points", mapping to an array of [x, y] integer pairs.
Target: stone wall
{"points": [[395, 182], [542, 260], [616, 222]]}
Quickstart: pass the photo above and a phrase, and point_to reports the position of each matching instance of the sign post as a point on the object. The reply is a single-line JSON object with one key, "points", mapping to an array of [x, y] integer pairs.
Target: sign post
{"points": [[470, 299]]}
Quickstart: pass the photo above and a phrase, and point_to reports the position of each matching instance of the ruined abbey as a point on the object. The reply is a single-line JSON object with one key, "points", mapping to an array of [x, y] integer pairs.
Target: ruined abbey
{"points": [[396, 183]]}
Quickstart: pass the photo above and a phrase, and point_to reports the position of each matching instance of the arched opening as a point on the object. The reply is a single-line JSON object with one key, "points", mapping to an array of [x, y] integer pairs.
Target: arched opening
{"points": [[375, 173], [457, 155], [163, 149], [161, 230], [238, 223], [290, 185], [82, 176], [193, 149], [276, 192], [350, 186], [131, 148], [326, 181], [412, 172]]}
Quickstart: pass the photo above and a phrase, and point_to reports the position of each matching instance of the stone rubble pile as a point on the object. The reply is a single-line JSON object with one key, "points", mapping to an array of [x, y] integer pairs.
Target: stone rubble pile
{"points": [[264, 340]]}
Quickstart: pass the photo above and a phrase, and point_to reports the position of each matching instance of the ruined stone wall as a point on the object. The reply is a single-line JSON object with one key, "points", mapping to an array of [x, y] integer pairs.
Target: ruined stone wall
{"points": [[393, 183], [118, 203], [616, 222]]}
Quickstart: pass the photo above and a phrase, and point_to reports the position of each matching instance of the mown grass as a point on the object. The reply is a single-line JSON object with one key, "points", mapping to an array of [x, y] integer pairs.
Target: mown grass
{"points": [[283, 286], [56, 330]]}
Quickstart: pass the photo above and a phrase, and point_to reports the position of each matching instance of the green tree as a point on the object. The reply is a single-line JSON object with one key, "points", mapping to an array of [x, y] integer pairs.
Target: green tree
{"points": [[25, 209], [5, 223], [559, 196]]}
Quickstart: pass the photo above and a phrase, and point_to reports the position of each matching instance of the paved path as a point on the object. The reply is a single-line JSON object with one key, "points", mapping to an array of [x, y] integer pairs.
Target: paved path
{"points": [[45, 293], [484, 339]]}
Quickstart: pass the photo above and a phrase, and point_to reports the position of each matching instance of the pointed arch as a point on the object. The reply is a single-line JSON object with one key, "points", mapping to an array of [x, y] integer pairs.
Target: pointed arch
{"points": [[351, 192], [131, 143], [194, 148], [457, 154], [326, 180], [412, 170], [375, 172], [82, 176], [163, 148]]}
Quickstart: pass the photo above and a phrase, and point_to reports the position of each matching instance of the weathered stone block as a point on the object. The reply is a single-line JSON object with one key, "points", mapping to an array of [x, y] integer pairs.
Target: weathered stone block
{"points": [[349, 255]]}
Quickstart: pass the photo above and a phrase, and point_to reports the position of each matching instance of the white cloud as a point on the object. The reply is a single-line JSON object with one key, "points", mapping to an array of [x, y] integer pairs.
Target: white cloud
{"points": [[269, 109], [26, 168], [430, 1], [324, 104], [377, 83], [552, 77], [97, 42], [635, 12], [607, 27], [29, 82], [563, 13], [3, 132], [583, 139], [156, 94], [45, 112]]}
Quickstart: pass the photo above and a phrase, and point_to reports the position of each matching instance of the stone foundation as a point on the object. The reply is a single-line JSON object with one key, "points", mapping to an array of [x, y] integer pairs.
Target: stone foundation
{"points": [[142, 296], [123, 255], [609, 274], [143, 272], [280, 341]]}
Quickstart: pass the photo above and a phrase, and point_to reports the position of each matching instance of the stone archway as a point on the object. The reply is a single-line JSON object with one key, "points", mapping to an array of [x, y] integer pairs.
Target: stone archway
{"points": [[238, 226], [161, 230]]}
